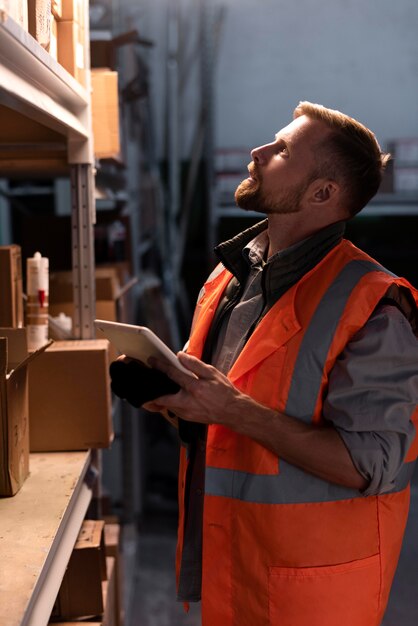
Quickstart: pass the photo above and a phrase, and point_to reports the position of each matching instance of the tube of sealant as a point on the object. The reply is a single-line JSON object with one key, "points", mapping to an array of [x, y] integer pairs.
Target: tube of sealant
{"points": [[37, 288]]}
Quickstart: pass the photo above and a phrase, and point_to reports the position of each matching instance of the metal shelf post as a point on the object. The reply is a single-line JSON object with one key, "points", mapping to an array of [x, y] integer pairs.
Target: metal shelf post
{"points": [[82, 241]]}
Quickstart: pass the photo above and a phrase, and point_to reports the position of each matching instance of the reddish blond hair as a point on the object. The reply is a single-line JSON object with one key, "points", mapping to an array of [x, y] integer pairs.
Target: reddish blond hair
{"points": [[350, 155]]}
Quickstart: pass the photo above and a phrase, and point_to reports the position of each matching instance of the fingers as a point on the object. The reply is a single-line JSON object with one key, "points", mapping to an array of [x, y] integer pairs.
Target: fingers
{"points": [[195, 365], [153, 407]]}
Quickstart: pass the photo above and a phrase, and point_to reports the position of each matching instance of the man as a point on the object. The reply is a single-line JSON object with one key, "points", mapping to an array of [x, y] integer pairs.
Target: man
{"points": [[298, 428]]}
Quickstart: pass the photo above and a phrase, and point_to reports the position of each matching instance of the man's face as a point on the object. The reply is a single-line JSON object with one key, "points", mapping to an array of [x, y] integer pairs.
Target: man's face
{"points": [[282, 170]]}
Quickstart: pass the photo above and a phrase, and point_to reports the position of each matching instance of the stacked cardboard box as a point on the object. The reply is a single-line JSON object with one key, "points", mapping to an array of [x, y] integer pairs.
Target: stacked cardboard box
{"points": [[71, 38], [59, 27], [11, 301], [110, 303], [109, 594], [113, 298], [81, 591], [113, 550], [105, 113], [14, 409], [89, 590], [39, 19], [17, 10], [56, 9]]}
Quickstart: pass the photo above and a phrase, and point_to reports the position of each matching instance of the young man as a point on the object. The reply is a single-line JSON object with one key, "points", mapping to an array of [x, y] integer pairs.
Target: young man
{"points": [[298, 429]]}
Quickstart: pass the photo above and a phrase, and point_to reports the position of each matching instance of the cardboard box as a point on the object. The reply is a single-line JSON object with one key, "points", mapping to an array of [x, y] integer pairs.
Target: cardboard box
{"points": [[17, 10], [112, 302], [71, 48], [103, 54], [105, 113], [39, 21], [81, 591], [69, 397], [110, 617], [73, 10], [113, 549], [56, 9], [14, 409], [53, 45], [11, 301]]}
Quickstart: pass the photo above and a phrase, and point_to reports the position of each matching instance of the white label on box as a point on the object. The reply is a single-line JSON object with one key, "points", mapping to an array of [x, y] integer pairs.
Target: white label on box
{"points": [[79, 57]]}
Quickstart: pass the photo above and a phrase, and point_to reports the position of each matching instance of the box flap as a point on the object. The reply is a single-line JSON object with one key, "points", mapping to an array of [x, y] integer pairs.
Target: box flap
{"points": [[72, 345], [3, 357], [17, 351], [17, 346]]}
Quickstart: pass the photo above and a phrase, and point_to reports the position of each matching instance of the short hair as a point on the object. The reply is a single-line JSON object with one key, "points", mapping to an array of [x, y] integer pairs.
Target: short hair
{"points": [[350, 155]]}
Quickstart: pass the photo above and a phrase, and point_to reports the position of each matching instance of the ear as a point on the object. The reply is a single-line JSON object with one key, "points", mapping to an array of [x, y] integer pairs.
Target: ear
{"points": [[323, 190]]}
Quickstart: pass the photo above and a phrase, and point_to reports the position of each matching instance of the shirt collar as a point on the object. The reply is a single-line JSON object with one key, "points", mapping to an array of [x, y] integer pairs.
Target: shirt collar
{"points": [[284, 267]]}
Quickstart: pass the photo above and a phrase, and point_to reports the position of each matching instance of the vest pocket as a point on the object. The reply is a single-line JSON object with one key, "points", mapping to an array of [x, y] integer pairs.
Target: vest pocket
{"points": [[336, 595]]}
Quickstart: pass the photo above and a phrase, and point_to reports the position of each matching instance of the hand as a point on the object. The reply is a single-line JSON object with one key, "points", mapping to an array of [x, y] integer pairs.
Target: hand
{"points": [[207, 398], [133, 381]]}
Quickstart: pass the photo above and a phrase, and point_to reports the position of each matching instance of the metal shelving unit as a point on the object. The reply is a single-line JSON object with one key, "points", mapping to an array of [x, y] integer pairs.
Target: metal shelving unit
{"points": [[36, 86], [38, 529], [40, 524]]}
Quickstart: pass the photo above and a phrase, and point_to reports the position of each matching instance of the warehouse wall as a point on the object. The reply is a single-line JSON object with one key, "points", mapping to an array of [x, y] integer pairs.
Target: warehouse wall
{"points": [[361, 57]]}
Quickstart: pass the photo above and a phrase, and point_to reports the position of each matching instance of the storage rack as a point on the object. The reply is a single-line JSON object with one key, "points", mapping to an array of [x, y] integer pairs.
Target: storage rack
{"points": [[39, 525], [38, 88]]}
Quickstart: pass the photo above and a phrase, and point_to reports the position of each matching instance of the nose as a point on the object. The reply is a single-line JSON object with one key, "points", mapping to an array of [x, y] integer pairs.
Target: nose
{"points": [[260, 154]]}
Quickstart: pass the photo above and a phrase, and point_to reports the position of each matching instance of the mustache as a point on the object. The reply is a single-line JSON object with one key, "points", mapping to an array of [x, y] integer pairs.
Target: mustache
{"points": [[253, 171]]}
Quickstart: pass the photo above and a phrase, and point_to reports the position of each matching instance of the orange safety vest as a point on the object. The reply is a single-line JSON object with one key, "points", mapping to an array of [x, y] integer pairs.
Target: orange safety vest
{"points": [[282, 547]]}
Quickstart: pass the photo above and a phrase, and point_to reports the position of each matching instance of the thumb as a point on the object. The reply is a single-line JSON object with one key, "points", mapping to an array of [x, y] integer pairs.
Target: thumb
{"points": [[195, 365]]}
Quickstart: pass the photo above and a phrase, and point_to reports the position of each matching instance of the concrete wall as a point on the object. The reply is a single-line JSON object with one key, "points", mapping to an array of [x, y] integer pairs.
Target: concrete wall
{"points": [[355, 55]]}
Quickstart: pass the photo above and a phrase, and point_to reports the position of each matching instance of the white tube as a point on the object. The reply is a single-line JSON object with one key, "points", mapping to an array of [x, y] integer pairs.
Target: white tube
{"points": [[37, 288]]}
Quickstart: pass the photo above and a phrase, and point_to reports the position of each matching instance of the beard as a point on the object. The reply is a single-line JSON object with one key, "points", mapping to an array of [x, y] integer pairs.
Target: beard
{"points": [[249, 196]]}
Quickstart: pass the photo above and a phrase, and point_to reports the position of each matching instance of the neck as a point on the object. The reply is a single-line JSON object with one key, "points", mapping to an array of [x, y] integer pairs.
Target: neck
{"points": [[286, 230]]}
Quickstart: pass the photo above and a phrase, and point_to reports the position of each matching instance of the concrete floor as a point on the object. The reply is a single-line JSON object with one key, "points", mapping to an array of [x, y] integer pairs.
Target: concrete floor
{"points": [[153, 597], [152, 601]]}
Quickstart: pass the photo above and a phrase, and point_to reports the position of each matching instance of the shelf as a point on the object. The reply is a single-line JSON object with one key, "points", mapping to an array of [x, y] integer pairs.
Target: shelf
{"points": [[38, 530], [33, 83], [405, 203]]}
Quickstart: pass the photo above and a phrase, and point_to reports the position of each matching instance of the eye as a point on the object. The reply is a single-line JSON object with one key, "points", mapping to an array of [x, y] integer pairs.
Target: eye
{"points": [[281, 148]]}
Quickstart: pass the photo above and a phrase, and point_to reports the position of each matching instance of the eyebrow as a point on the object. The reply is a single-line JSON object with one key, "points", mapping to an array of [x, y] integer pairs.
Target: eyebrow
{"points": [[279, 137], [284, 142]]}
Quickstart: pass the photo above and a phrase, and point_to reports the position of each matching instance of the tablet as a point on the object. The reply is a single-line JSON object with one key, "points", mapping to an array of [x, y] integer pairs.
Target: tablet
{"points": [[138, 342]]}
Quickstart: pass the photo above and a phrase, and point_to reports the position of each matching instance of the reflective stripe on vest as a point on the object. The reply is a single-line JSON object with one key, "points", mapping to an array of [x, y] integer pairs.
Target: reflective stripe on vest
{"points": [[293, 485], [306, 380]]}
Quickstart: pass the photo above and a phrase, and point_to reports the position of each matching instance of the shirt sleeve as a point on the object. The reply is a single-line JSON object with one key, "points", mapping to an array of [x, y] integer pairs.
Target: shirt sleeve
{"points": [[373, 393]]}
